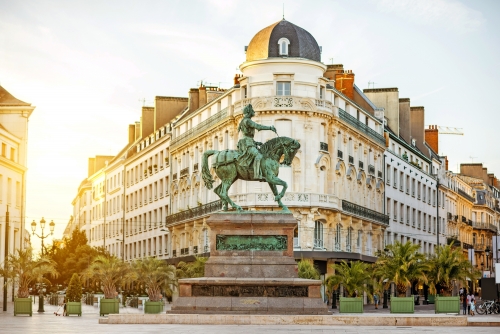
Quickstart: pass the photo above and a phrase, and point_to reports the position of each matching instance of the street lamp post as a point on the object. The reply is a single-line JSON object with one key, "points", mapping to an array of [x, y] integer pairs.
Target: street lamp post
{"points": [[33, 229], [487, 251]]}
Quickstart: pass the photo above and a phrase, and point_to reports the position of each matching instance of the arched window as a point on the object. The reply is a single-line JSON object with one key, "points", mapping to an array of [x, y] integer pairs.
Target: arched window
{"points": [[283, 44], [318, 234]]}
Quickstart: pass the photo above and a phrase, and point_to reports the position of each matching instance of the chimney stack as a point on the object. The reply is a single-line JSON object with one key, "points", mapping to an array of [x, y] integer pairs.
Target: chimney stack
{"points": [[194, 99], [432, 137]]}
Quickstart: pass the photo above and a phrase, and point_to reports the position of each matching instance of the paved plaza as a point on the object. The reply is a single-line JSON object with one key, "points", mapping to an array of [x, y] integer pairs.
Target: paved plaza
{"points": [[49, 323]]}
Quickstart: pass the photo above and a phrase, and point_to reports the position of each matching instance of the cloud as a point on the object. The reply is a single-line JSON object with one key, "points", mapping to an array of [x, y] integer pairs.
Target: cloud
{"points": [[451, 14]]}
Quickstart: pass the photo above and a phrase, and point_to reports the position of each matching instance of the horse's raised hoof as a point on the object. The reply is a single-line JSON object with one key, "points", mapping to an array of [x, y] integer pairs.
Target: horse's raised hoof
{"points": [[277, 198], [239, 208]]}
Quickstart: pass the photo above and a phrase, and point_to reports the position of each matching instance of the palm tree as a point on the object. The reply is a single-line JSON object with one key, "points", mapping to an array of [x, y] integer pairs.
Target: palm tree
{"points": [[355, 277], [155, 274], [401, 264], [191, 269], [24, 270], [447, 265], [307, 270], [111, 272]]}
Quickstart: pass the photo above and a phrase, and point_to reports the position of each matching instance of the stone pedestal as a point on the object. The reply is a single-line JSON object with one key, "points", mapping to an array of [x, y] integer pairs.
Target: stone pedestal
{"points": [[251, 270]]}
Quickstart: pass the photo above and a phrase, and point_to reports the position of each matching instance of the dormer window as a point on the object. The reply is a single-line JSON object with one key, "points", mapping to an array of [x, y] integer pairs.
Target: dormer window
{"points": [[283, 46]]}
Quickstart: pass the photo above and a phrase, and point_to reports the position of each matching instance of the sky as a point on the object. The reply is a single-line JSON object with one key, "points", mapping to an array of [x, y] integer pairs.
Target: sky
{"points": [[89, 66]]}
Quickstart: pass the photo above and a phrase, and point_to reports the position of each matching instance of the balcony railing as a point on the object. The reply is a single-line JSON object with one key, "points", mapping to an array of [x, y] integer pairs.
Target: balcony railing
{"points": [[340, 154], [464, 194], [453, 241], [371, 169], [200, 128], [466, 245], [484, 226], [184, 172], [323, 146], [318, 243], [195, 212], [351, 160], [479, 247], [357, 124], [365, 212]]}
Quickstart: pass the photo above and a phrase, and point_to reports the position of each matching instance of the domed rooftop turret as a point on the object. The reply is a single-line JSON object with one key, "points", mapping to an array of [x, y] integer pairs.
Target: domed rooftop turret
{"points": [[283, 39]]}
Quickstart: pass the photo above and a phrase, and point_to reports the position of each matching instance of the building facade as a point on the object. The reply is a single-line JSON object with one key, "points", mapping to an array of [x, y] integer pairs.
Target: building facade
{"points": [[14, 116]]}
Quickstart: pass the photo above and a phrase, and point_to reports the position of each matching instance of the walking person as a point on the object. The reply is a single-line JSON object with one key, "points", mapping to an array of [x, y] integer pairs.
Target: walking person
{"points": [[376, 299], [470, 296]]}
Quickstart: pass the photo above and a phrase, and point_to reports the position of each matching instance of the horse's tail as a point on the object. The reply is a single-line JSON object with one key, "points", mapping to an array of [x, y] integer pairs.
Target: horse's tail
{"points": [[205, 171]]}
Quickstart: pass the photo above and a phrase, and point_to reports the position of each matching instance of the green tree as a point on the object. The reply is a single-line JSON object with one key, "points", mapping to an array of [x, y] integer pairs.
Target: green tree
{"points": [[191, 269], [447, 265], [74, 291], [355, 277], [24, 270], [155, 274], [307, 270], [402, 264], [110, 272]]}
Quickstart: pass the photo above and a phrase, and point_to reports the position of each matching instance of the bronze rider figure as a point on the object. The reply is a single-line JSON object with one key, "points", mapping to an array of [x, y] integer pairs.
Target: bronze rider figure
{"points": [[247, 145]]}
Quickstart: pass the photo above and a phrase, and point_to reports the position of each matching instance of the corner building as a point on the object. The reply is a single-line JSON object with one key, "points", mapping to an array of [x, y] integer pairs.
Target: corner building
{"points": [[335, 185]]}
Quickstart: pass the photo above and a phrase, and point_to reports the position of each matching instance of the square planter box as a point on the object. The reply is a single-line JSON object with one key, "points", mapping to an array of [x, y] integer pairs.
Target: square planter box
{"points": [[109, 306], [447, 304], [431, 299], [23, 306], [403, 304], [351, 305], [153, 307], [74, 308]]}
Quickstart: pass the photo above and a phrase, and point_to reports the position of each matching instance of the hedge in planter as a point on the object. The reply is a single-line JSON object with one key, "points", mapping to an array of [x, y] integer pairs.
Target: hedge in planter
{"points": [[351, 305], [74, 296], [447, 304], [23, 306], [403, 304]]}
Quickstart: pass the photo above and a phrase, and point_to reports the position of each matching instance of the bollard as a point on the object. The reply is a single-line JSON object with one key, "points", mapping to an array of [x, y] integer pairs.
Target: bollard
{"points": [[385, 299], [334, 299], [40, 303]]}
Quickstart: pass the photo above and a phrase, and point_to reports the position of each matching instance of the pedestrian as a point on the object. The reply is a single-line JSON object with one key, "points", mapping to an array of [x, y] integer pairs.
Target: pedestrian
{"points": [[470, 296], [463, 299], [472, 307], [376, 299], [64, 307]]}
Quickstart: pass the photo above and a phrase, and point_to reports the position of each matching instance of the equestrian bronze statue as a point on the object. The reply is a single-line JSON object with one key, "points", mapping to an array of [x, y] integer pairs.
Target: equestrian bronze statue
{"points": [[250, 162]]}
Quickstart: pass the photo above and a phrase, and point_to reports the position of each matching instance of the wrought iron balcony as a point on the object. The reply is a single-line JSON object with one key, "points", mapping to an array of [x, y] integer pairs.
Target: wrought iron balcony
{"points": [[195, 212], [200, 128], [453, 241], [340, 154], [365, 212], [323, 146], [484, 226], [467, 246], [351, 160], [467, 196], [360, 164], [195, 167], [371, 169], [363, 127], [464, 220], [479, 247], [184, 172]]}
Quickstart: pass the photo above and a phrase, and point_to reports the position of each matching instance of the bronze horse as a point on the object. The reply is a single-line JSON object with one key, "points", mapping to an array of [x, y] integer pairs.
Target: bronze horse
{"points": [[228, 169]]}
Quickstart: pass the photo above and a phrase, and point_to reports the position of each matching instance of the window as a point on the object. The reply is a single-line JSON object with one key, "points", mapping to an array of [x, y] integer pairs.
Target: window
{"points": [[283, 88], [338, 237], [321, 92], [283, 46], [245, 92], [318, 234]]}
